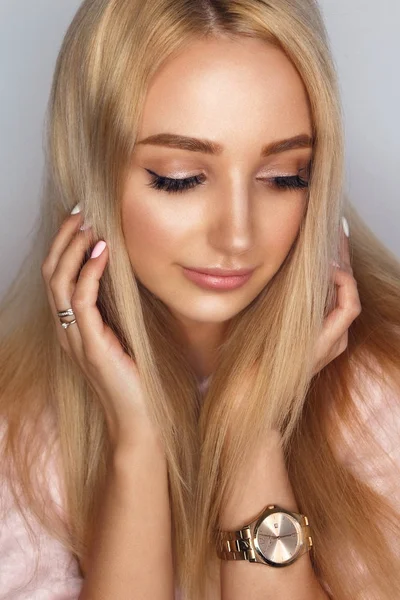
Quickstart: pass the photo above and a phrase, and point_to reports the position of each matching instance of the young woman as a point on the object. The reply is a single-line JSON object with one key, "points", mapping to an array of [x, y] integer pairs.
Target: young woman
{"points": [[148, 410]]}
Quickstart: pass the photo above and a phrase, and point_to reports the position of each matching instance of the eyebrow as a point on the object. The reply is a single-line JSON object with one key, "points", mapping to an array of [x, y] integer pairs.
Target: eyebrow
{"points": [[182, 142]]}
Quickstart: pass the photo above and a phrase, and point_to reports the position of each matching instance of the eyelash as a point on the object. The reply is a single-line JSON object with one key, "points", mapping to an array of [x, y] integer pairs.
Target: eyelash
{"points": [[174, 186]]}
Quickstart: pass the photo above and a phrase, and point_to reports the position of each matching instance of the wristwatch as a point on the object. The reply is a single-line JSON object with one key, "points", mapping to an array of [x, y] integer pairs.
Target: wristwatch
{"points": [[276, 537]]}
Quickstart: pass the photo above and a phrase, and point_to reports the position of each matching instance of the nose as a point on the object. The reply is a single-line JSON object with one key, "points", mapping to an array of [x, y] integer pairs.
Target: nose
{"points": [[232, 221]]}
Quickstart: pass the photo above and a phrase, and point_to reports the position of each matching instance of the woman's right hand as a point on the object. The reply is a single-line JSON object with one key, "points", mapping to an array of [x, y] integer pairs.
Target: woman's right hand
{"points": [[90, 342]]}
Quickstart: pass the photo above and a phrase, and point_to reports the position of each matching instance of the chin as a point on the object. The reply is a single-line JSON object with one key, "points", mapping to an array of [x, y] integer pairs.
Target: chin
{"points": [[207, 312]]}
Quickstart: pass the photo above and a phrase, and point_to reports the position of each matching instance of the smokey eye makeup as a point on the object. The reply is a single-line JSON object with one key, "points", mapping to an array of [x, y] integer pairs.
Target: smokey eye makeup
{"points": [[283, 183]]}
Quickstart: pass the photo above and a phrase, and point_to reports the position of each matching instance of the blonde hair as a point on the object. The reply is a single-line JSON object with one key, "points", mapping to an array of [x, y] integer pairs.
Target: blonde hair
{"points": [[108, 57]]}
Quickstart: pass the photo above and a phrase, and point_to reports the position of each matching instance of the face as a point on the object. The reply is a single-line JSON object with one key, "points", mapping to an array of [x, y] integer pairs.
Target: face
{"points": [[233, 210]]}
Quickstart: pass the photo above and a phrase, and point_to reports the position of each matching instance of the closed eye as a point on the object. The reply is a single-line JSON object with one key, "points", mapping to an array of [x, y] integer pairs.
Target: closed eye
{"points": [[174, 185], [167, 184]]}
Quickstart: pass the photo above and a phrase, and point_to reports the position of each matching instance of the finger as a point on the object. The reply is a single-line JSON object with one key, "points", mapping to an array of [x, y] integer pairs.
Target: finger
{"points": [[348, 306], [69, 227], [66, 272], [345, 257], [53, 266], [64, 280], [60, 242], [84, 301], [59, 329]]}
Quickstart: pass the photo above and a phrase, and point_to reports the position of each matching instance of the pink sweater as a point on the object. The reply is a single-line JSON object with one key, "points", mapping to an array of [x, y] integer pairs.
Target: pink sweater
{"points": [[58, 576]]}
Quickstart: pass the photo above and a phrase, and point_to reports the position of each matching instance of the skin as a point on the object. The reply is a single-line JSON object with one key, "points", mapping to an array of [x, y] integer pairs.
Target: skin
{"points": [[235, 213], [236, 219]]}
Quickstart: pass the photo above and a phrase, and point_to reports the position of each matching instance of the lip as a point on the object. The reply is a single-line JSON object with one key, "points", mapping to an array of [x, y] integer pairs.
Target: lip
{"points": [[217, 282], [222, 272]]}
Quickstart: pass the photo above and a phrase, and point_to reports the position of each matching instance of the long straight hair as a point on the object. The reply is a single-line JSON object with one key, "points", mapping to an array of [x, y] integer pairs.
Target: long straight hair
{"points": [[108, 57]]}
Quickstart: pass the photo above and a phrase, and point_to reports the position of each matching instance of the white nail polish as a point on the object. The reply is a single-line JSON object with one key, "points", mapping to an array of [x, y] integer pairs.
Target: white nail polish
{"points": [[345, 227], [76, 209]]}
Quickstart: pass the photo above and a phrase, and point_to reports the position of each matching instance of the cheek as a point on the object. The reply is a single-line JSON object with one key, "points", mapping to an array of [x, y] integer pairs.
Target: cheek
{"points": [[150, 233], [282, 227]]}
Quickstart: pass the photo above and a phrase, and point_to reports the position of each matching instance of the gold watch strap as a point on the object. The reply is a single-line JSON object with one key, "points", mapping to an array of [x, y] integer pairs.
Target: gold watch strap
{"points": [[237, 545]]}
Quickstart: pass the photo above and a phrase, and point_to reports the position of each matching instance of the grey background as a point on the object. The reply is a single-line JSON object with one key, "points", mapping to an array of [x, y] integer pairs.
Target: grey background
{"points": [[366, 48]]}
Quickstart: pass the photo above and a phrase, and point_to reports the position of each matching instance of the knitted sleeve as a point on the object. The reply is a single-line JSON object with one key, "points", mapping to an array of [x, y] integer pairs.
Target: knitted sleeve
{"points": [[29, 572]]}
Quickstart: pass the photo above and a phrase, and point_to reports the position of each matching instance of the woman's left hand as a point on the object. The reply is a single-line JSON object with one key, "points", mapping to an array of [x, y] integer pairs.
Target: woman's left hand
{"points": [[333, 339]]}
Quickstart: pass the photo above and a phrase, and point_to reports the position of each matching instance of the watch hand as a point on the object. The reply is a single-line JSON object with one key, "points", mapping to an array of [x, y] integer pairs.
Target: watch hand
{"points": [[276, 536]]}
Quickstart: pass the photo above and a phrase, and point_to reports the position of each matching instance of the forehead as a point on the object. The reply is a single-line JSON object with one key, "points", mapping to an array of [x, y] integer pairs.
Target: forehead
{"points": [[227, 90]]}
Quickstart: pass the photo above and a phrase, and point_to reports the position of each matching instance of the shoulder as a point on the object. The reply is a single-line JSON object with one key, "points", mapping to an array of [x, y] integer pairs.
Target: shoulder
{"points": [[33, 561], [41, 442]]}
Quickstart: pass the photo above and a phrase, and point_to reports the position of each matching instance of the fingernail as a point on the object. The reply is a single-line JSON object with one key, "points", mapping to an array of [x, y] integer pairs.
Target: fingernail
{"points": [[345, 227], [98, 249], [76, 209]]}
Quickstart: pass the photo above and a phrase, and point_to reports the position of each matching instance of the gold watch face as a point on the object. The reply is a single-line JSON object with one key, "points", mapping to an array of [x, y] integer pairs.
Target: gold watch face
{"points": [[278, 538]]}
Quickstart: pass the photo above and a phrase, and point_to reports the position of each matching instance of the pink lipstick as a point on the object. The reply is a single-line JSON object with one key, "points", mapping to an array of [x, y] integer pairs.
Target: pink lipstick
{"points": [[217, 282]]}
